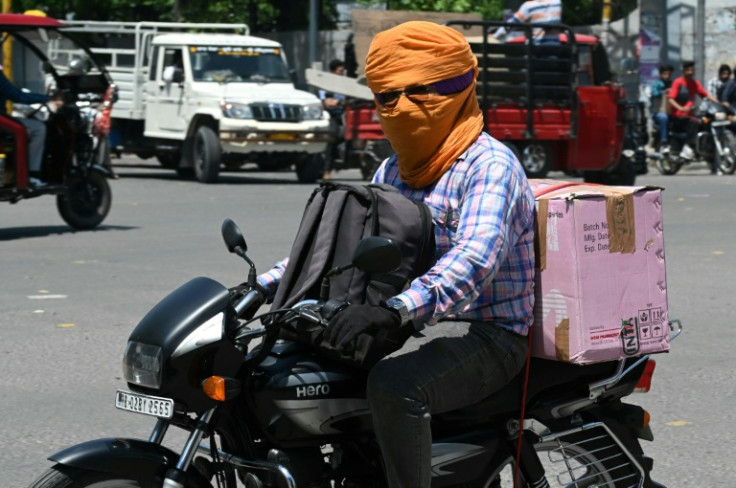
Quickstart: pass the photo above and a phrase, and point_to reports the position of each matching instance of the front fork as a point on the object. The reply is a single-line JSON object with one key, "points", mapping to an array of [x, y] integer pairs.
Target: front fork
{"points": [[175, 476]]}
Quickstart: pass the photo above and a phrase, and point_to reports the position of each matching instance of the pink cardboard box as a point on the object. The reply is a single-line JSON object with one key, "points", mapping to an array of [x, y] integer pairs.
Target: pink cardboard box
{"points": [[601, 290]]}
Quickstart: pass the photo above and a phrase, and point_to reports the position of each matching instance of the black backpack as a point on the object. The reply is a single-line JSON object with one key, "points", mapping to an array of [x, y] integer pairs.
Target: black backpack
{"points": [[336, 218]]}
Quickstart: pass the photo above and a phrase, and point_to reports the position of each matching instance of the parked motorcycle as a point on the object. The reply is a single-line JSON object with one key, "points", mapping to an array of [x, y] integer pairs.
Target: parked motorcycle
{"points": [[715, 142], [280, 415]]}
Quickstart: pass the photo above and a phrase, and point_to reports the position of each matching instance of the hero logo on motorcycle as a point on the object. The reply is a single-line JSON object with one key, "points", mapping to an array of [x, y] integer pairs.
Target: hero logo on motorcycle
{"points": [[312, 390]]}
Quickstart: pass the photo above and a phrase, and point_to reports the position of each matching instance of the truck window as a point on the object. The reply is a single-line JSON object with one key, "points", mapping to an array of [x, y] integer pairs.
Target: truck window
{"points": [[238, 64], [173, 59], [601, 68], [585, 68]]}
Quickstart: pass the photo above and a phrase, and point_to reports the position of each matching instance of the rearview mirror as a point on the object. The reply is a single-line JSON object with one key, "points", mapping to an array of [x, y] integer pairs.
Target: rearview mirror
{"points": [[377, 254], [233, 237]]}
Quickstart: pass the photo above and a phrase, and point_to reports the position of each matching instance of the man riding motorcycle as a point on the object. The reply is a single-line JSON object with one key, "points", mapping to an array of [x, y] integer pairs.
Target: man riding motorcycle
{"points": [[478, 297]]}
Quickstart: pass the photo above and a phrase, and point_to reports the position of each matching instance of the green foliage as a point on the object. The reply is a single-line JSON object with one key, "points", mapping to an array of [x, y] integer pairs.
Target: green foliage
{"points": [[261, 15], [574, 12], [268, 15]]}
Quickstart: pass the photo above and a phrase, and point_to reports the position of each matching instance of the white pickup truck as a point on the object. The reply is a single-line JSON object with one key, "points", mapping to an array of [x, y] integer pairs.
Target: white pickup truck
{"points": [[198, 101]]}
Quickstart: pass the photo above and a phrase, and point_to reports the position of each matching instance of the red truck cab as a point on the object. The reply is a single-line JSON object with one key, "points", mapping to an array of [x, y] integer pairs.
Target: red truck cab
{"points": [[557, 104]]}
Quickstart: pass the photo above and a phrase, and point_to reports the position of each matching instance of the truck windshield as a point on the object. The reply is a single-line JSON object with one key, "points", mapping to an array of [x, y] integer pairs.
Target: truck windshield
{"points": [[238, 64]]}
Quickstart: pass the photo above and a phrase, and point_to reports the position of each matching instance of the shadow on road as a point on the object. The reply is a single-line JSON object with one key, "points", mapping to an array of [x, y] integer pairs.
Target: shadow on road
{"points": [[14, 233], [227, 177]]}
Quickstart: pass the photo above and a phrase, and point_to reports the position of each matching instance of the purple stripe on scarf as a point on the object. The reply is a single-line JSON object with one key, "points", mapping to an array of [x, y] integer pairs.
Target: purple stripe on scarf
{"points": [[454, 85]]}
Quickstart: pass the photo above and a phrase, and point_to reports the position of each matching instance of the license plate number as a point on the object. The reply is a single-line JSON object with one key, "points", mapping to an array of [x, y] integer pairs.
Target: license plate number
{"points": [[145, 404], [282, 137]]}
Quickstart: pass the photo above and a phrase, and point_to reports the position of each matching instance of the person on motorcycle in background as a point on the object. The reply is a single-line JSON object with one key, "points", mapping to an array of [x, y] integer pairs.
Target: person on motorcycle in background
{"points": [[682, 98], [658, 94], [728, 95], [477, 300], [36, 129], [715, 85]]}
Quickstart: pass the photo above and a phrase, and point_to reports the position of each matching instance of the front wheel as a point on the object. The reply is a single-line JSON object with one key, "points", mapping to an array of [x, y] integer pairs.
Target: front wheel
{"points": [[86, 202], [726, 162], [61, 476], [207, 154]]}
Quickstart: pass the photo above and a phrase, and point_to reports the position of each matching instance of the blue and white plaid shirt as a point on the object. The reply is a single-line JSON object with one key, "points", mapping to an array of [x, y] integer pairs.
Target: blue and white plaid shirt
{"points": [[483, 210]]}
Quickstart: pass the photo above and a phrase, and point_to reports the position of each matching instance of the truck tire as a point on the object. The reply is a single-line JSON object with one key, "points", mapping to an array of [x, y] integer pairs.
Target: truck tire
{"points": [[536, 158], [206, 154], [310, 168]]}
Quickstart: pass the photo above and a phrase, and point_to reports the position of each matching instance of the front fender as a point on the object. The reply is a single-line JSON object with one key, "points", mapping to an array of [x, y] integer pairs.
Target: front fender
{"points": [[102, 170], [145, 461]]}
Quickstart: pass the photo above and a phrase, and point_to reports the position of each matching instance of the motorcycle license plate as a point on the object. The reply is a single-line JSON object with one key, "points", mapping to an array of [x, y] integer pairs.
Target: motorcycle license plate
{"points": [[145, 404]]}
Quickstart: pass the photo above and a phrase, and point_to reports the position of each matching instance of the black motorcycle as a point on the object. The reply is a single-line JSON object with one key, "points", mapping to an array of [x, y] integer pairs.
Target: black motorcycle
{"points": [[281, 415], [715, 142]]}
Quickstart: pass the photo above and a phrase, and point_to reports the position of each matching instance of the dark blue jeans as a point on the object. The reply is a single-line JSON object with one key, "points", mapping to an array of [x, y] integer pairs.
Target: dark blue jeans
{"points": [[443, 368]]}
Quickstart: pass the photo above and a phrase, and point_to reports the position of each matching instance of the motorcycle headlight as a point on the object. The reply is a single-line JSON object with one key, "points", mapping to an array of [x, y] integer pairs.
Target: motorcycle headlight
{"points": [[312, 111], [142, 365], [237, 111]]}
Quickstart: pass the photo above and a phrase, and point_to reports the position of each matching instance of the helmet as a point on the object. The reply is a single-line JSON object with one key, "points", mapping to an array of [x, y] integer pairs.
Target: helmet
{"points": [[76, 67]]}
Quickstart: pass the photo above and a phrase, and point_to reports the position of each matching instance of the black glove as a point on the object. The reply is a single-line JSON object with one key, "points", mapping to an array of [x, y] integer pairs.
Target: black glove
{"points": [[355, 319]]}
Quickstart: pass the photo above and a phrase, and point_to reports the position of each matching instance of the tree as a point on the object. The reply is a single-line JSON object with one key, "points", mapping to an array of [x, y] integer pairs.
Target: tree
{"points": [[260, 15], [574, 12]]}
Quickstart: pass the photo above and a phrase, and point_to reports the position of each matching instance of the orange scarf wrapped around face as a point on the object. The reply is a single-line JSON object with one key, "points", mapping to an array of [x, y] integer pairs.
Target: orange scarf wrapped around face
{"points": [[429, 136]]}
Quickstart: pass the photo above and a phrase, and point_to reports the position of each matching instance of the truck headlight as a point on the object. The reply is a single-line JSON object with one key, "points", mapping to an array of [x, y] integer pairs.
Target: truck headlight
{"points": [[142, 365], [312, 111], [237, 111]]}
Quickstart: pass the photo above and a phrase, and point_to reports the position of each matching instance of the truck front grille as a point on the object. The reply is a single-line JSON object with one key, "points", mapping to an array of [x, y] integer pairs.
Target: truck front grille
{"points": [[276, 112]]}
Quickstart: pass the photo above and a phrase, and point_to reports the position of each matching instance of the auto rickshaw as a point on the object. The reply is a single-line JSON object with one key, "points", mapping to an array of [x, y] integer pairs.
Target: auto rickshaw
{"points": [[73, 160]]}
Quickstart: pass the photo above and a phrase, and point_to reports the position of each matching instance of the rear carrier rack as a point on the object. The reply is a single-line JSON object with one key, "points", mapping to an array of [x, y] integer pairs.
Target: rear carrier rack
{"points": [[596, 459]]}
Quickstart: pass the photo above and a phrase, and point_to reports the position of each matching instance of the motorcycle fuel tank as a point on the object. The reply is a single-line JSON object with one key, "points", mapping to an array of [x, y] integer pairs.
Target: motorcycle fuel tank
{"points": [[299, 395]]}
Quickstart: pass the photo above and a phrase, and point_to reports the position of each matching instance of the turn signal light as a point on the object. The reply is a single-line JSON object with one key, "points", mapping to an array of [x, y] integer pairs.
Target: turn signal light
{"points": [[645, 382], [221, 389], [646, 419]]}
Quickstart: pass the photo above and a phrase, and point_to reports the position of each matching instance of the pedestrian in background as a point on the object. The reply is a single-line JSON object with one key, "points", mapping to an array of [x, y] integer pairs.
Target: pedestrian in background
{"points": [[716, 84], [659, 105]]}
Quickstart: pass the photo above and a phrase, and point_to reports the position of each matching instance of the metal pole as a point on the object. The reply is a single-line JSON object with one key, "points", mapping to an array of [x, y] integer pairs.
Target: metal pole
{"points": [[700, 41], [8, 54], [313, 34]]}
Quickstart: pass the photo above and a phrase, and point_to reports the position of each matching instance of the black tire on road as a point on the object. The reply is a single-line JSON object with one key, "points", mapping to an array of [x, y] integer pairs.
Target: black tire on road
{"points": [[535, 157], [727, 163], [206, 155], [310, 168], [86, 201]]}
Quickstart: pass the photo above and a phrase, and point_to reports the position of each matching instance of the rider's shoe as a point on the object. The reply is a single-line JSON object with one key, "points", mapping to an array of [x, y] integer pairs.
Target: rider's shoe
{"points": [[687, 152], [664, 148], [35, 182]]}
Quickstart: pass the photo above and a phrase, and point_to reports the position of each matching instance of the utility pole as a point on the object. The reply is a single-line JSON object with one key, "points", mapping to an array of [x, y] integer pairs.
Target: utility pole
{"points": [[606, 20], [700, 42], [8, 54], [313, 34]]}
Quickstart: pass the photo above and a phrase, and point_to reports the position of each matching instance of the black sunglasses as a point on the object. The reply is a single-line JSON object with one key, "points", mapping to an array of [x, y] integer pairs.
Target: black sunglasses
{"points": [[421, 93]]}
